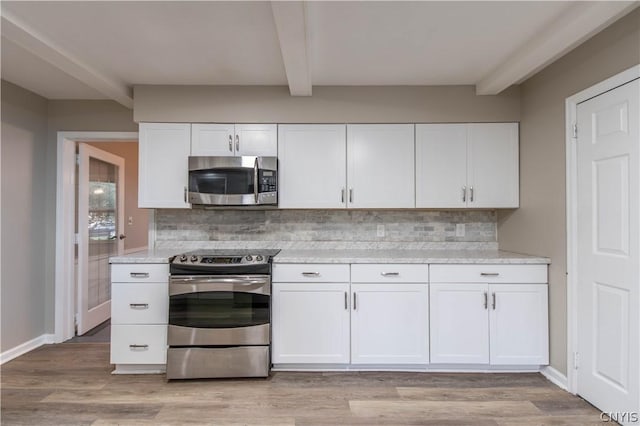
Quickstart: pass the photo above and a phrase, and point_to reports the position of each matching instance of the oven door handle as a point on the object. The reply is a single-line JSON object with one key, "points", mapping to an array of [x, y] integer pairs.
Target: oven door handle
{"points": [[184, 285]]}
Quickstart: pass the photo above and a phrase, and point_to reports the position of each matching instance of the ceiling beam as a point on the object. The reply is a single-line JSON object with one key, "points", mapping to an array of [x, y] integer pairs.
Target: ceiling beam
{"points": [[291, 25], [578, 22], [20, 33]]}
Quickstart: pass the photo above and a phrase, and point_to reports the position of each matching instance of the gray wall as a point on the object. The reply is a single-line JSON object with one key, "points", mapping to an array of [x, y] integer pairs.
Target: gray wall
{"points": [[261, 104], [138, 232], [539, 225], [23, 152], [107, 116]]}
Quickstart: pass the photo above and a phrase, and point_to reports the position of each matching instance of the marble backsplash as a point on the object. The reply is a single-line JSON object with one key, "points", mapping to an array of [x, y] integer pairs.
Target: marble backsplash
{"points": [[340, 229]]}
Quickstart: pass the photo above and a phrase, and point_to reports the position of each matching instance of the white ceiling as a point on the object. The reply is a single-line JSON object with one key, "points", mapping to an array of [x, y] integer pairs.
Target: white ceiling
{"points": [[100, 49]]}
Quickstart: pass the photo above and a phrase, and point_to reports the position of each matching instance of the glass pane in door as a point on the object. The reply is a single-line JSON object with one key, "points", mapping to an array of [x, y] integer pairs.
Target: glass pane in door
{"points": [[102, 223]]}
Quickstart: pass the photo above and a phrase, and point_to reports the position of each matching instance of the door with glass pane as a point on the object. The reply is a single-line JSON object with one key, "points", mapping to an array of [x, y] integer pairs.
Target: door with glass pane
{"points": [[100, 220]]}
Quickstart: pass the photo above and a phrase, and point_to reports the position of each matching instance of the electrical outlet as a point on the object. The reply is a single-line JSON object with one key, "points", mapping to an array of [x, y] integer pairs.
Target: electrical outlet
{"points": [[460, 230], [380, 231]]}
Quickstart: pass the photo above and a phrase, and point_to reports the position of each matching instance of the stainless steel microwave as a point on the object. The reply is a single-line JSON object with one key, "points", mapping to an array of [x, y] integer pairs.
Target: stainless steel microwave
{"points": [[233, 181]]}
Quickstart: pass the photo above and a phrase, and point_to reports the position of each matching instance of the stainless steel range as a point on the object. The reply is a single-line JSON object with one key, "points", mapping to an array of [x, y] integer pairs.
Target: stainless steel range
{"points": [[219, 314]]}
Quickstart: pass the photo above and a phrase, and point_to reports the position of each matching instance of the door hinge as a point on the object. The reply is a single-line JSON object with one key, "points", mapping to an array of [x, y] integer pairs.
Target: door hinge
{"points": [[75, 324], [76, 238], [78, 159], [576, 360], [575, 131]]}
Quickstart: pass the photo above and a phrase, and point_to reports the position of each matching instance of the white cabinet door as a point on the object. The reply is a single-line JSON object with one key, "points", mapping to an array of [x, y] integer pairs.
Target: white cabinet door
{"points": [[380, 165], [441, 165], [163, 165], [239, 139], [256, 139], [518, 324], [493, 176], [212, 139], [459, 323], [310, 323], [312, 166], [389, 324]]}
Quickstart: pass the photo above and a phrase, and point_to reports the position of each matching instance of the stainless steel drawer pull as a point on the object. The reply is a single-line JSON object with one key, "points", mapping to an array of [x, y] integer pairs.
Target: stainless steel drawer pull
{"points": [[390, 274], [342, 195], [311, 274], [471, 194], [486, 300], [139, 305], [464, 194], [139, 274], [493, 301], [138, 347], [351, 195], [489, 274]]}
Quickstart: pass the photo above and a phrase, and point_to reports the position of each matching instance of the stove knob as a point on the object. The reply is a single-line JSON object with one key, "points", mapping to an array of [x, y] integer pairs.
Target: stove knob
{"points": [[208, 259], [194, 258], [183, 258], [259, 258], [249, 258]]}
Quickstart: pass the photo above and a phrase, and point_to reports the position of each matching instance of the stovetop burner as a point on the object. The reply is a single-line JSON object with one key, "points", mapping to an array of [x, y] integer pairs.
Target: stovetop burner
{"points": [[224, 257]]}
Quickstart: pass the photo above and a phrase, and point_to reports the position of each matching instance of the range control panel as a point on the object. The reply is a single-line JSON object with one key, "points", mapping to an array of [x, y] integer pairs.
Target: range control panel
{"points": [[204, 259]]}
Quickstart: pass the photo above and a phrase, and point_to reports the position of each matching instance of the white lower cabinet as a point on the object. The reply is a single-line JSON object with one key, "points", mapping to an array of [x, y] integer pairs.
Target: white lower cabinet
{"points": [[488, 322], [310, 323], [389, 324], [139, 316], [377, 322]]}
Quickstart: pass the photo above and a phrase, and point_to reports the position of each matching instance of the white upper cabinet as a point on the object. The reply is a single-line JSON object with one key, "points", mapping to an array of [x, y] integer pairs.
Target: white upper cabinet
{"points": [[441, 165], [163, 165], [493, 172], [234, 139], [312, 165], [380, 165], [467, 165]]}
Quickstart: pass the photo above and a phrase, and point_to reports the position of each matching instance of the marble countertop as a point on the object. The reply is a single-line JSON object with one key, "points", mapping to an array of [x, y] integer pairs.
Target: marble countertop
{"points": [[362, 256]]}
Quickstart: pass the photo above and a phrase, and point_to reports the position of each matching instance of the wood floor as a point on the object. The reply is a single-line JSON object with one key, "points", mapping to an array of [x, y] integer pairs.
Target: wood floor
{"points": [[71, 384]]}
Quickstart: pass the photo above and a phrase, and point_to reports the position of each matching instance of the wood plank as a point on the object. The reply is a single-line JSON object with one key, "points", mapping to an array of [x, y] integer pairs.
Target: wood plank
{"points": [[443, 409]]}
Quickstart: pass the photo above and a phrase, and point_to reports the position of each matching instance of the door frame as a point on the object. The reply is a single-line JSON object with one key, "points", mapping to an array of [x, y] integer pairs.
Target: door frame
{"points": [[64, 288], [571, 105]]}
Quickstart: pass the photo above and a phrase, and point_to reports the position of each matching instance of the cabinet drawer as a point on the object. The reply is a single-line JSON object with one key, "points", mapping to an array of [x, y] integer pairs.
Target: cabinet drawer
{"points": [[140, 272], [389, 273], [482, 273], [311, 272], [144, 303], [138, 344]]}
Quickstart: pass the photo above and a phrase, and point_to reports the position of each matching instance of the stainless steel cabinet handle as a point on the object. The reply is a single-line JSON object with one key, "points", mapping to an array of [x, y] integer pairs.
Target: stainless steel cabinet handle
{"points": [[390, 274], [486, 300], [230, 143], [237, 143], [351, 195], [311, 274], [139, 275], [493, 301], [138, 346], [346, 301], [464, 194], [489, 274], [185, 194], [342, 195], [471, 194], [139, 305], [355, 304], [256, 183]]}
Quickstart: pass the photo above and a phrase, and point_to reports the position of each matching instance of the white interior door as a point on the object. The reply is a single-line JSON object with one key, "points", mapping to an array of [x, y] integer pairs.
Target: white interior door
{"points": [[100, 222], [608, 256]]}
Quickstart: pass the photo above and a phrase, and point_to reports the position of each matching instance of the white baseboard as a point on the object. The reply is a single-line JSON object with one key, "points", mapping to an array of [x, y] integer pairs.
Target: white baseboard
{"points": [[555, 377], [25, 347]]}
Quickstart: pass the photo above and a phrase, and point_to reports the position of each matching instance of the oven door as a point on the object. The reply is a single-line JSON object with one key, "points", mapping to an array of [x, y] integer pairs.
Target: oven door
{"points": [[219, 310], [229, 181]]}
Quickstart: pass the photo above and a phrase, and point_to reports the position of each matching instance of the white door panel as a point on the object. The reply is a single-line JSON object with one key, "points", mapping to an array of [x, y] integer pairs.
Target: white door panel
{"points": [[212, 139], [256, 139], [312, 166], [608, 253]]}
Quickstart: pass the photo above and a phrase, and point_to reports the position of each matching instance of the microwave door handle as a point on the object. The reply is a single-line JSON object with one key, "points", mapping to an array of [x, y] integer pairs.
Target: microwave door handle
{"points": [[255, 180]]}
